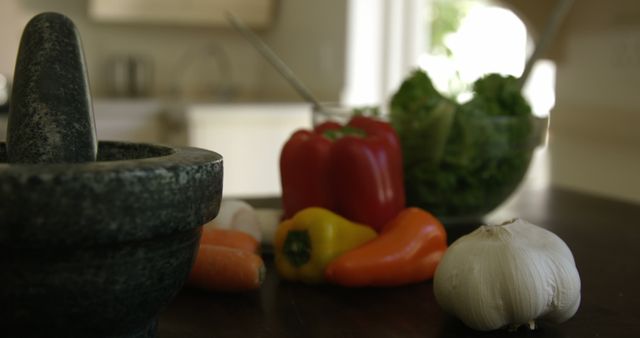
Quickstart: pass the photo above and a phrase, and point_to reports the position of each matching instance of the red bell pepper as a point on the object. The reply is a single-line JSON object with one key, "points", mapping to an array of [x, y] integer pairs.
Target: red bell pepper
{"points": [[353, 170]]}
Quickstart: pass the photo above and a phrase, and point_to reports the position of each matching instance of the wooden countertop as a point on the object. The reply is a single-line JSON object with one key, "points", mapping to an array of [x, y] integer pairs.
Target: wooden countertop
{"points": [[603, 234]]}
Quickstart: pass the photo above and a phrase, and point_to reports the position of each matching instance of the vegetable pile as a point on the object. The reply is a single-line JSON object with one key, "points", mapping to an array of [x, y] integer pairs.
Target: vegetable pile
{"points": [[345, 220], [462, 159]]}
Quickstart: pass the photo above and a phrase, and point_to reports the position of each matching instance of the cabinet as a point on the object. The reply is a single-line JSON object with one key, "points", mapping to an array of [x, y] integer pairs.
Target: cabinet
{"points": [[255, 13], [250, 137]]}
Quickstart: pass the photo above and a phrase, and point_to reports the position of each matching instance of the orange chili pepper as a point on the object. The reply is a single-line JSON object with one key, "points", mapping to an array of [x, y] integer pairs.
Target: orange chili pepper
{"points": [[407, 250]]}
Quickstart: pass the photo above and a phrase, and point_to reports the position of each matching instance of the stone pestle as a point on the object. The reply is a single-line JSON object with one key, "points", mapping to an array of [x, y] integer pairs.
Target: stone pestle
{"points": [[51, 115]]}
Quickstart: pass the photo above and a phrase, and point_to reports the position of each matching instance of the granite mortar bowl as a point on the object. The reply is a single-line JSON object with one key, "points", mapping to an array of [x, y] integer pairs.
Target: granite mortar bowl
{"points": [[97, 249]]}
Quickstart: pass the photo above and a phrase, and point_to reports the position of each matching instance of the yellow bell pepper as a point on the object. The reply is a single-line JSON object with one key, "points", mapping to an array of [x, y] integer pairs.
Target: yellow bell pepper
{"points": [[308, 242]]}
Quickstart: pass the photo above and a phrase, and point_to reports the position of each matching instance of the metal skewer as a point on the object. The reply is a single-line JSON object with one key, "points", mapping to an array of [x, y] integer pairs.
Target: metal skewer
{"points": [[557, 16], [274, 59]]}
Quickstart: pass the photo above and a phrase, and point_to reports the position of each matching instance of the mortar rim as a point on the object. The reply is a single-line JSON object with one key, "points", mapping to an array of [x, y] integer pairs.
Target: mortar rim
{"points": [[169, 156]]}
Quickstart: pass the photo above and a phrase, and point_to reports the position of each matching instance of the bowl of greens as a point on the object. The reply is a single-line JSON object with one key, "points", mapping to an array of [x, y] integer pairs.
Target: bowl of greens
{"points": [[462, 160]]}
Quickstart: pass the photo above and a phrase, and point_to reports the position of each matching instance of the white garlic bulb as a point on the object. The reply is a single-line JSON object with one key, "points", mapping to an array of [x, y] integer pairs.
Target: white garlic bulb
{"points": [[508, 275]]}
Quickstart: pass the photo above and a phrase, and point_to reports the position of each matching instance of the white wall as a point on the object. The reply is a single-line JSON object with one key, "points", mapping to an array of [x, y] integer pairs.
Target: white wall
{"points": [[308, 34], [595, 143]]}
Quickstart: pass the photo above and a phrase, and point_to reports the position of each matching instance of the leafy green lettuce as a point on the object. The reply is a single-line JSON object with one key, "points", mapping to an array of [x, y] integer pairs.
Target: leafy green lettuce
{"points": [[462, 160]]}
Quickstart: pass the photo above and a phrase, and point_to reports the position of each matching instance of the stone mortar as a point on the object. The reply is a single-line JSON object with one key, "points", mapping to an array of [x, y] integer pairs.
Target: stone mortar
{"points": [[97, 249]]}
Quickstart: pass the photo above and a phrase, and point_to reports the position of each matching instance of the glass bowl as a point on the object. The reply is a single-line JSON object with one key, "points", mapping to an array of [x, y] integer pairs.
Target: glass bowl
{"points": [[336, 112], [472, 170]]}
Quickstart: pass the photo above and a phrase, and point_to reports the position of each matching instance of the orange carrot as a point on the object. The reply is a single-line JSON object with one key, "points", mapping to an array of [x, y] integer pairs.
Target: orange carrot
{"points": [[219, 268], [229, 238]]}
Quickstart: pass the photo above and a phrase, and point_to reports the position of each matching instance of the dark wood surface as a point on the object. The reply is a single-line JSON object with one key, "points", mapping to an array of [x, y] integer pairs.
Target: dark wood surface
{"points": [[603, 234]]}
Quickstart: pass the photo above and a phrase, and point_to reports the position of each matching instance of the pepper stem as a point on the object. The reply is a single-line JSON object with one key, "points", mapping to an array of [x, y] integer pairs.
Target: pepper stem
{"points": [[297, 247], [335, 134]]}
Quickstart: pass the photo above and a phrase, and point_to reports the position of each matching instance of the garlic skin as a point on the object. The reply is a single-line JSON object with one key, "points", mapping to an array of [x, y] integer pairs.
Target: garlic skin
{"points": [[237, 215], [508, 275]]}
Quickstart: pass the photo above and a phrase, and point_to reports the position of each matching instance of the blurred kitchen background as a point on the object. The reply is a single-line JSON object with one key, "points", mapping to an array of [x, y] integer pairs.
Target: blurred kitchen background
{"points": [[174, 71]]}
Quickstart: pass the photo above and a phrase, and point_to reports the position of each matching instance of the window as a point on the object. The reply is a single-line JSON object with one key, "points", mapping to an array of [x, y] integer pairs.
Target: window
{"points": [[454, 41]]}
